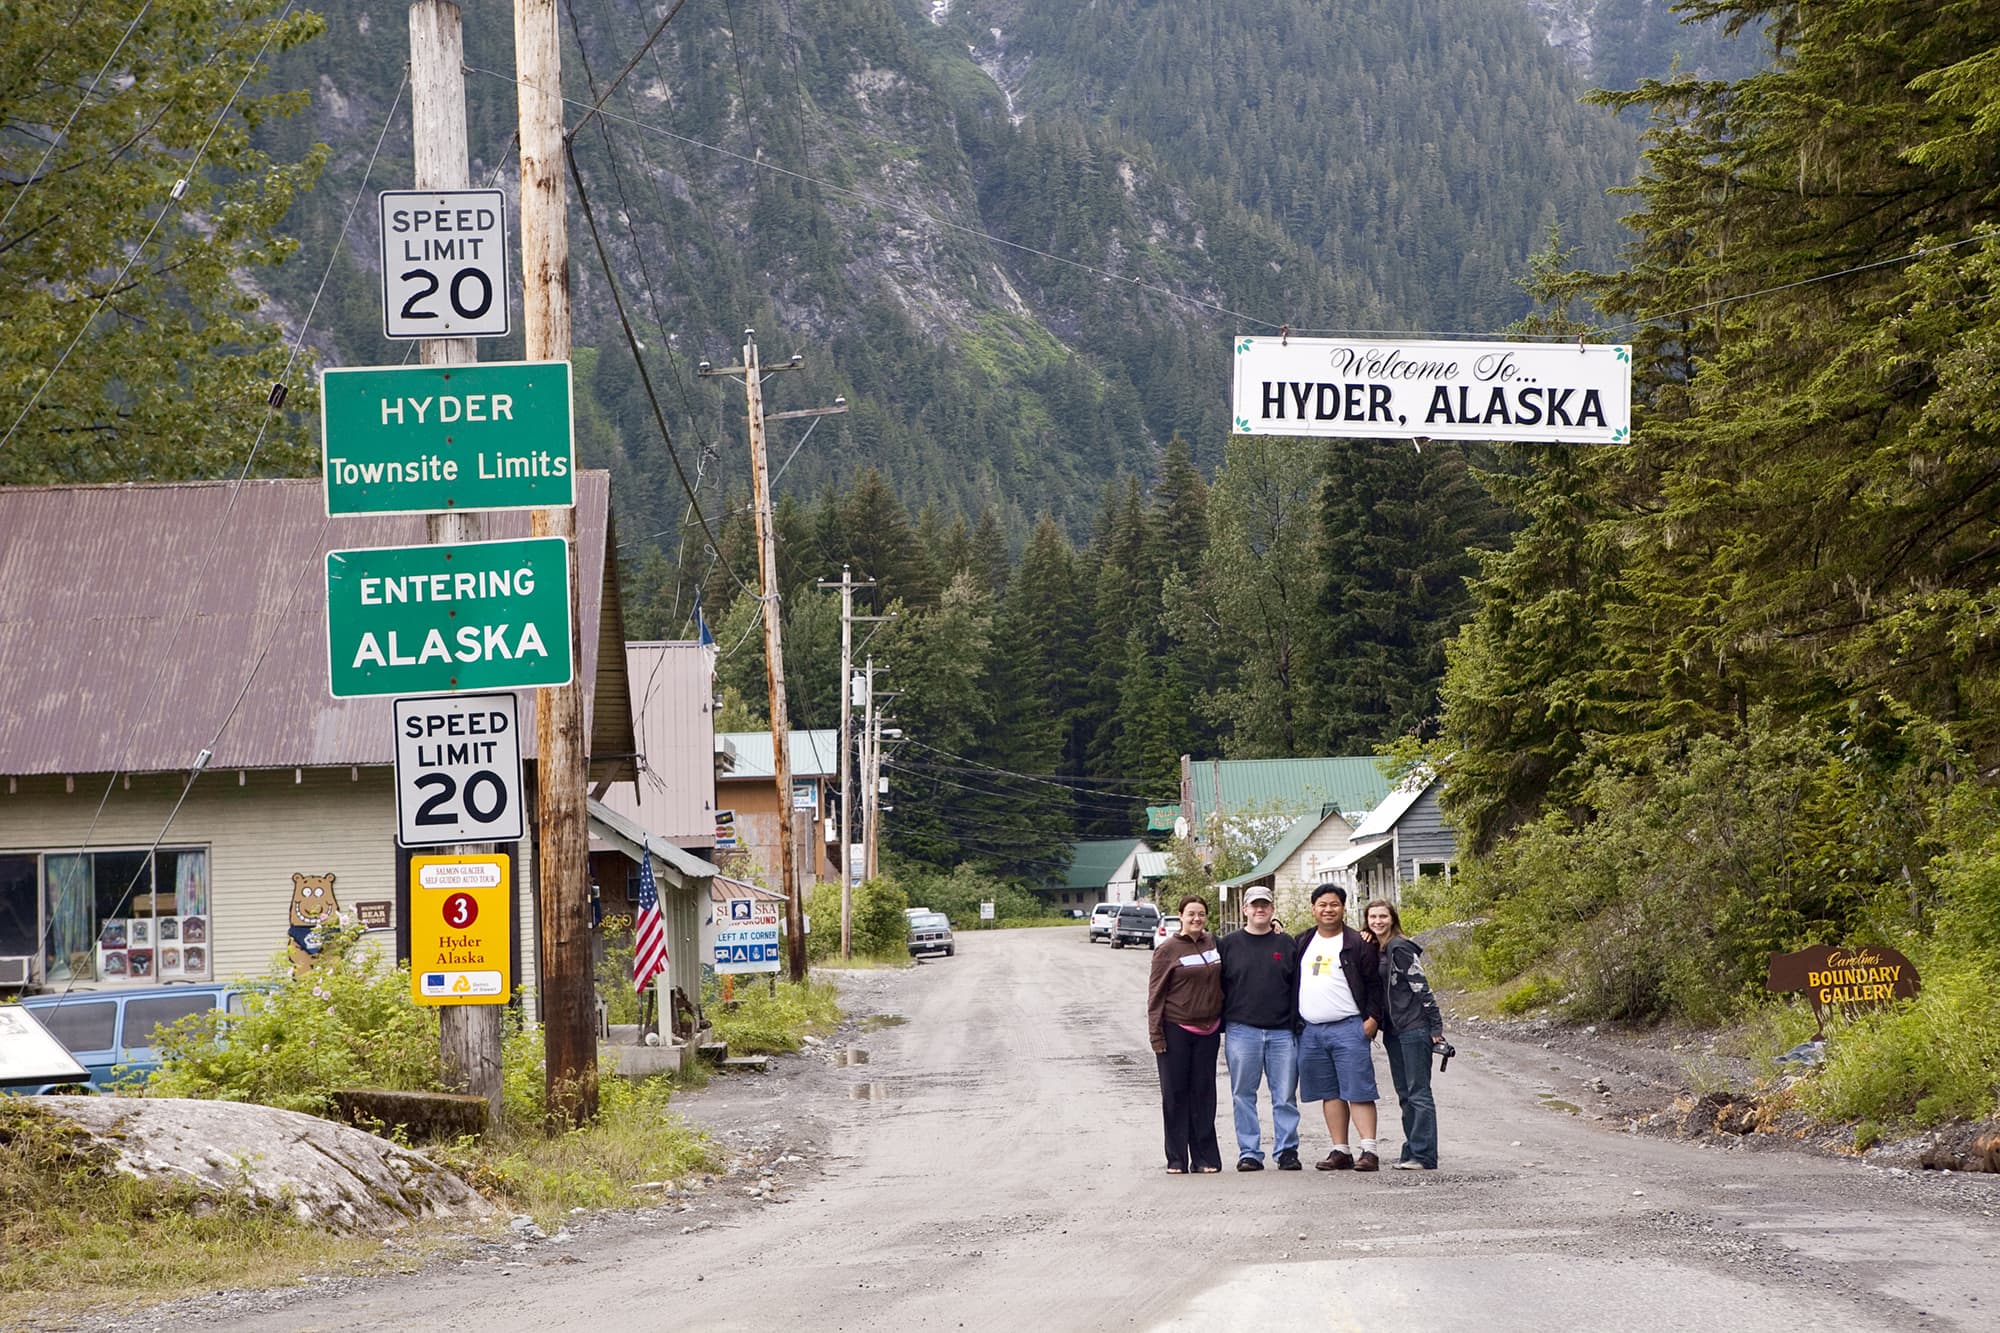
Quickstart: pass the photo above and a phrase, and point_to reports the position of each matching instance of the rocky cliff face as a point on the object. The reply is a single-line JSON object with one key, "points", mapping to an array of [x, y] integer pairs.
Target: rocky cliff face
{"points": [[1016, 234]]}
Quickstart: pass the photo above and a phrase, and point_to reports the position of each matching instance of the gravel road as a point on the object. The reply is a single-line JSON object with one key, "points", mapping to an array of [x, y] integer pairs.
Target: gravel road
{"points": [[995, 1163]]}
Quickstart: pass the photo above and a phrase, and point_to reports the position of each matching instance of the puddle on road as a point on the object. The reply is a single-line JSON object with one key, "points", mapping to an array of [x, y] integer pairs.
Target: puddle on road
{"points": [[869, 1092], [1550, 1100], [876, 1022], [851, 1056]]}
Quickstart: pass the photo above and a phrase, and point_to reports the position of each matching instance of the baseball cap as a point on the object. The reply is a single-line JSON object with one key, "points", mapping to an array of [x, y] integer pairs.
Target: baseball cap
{"points": [[1257, 895]]}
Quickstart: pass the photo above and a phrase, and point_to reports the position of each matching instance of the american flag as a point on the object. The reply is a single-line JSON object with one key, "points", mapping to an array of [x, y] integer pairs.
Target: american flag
{"points": [[649, 933]]}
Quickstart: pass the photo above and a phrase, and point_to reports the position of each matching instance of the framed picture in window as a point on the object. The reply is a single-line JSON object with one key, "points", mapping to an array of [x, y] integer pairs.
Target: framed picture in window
{"points": [[139, 964], [194, 960], [167, 930], [139, 931], [194, 930], [169, 961], [113, 934], [111, 963]]}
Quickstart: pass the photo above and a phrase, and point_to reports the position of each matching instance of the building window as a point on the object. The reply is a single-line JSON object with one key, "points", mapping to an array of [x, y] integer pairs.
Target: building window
{"points": [[124, 915]]}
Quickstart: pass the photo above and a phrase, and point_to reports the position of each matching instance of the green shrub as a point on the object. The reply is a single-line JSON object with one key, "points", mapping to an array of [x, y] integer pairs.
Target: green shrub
{"points": [[1537, 992], [881, 926], [767, 1018], [614, 972], [1697, 860], [878, 925], [1925, 1061], [349, 1022]]}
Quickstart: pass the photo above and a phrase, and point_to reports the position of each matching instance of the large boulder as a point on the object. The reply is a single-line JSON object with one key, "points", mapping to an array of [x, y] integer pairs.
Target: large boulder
{"points": [[324, 1174]]}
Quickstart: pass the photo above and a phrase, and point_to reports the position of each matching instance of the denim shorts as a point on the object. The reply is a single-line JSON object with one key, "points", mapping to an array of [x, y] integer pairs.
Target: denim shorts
{"points": [[1335, 1062]]}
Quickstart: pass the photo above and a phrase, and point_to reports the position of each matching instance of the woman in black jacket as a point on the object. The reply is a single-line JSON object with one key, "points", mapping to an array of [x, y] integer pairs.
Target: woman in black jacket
{"points": [[1413, 1027]]}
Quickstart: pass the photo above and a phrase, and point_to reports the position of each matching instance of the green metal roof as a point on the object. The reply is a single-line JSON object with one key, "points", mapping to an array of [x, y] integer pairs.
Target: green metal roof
{"points": [[1091, 863], [1287, 843], [1352, 785]]}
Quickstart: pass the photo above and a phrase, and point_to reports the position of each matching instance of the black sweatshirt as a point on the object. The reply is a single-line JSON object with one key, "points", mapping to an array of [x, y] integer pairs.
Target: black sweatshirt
{"points": [[1260, 983]]}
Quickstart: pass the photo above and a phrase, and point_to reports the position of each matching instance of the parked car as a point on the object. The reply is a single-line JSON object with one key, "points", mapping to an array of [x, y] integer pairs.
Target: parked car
{"points": [[110, 1032], [931, 934], [1136, 924], [1103, 918], [1169, 925]]}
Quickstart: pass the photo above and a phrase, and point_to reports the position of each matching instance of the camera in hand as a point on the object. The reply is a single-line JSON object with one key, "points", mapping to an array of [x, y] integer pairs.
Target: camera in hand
{"points": [[1447, 1051]]}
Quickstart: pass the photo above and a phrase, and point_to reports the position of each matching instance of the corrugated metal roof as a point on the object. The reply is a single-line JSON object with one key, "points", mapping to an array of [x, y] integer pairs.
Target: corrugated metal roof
{"points": [[674, 711], [814, 754], [625, 836], [1349, 784], [1288, 842], [1091, 864], [1155, 865], [1393, 807], [131, 617]]}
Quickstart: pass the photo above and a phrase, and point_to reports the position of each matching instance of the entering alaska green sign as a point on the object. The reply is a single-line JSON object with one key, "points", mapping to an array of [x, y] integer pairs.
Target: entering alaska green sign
{"points": [[445, 619]]}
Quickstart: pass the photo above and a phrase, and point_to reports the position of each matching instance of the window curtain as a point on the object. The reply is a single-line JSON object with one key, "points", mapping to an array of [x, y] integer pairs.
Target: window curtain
{"points": [[191, 883], [72, 899]]}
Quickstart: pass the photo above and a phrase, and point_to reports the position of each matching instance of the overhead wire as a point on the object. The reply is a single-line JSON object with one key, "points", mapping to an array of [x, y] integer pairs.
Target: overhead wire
{"points": [[173, 200], [271, 408], [35, 176], [1028, 777]]}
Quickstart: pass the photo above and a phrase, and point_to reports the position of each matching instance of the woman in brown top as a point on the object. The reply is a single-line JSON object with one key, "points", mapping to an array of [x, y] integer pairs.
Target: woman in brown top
{"points": [[1184, 1021]]}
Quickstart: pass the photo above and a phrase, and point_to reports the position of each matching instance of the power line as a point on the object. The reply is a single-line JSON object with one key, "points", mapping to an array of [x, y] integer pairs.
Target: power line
{"points": [[35, 176], [632, 342], [909, 211], [1025, 776], [271, 408], [117, 283]]}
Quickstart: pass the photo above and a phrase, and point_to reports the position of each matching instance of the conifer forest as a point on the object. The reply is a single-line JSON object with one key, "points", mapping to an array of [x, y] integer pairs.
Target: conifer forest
{"points": [[1715, 693]]}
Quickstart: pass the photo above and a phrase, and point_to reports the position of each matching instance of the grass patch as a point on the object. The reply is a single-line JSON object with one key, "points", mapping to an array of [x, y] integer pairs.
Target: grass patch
{"points": [[635, 1140], [880, 962], [778, 1019], [1922, 1062], [75, 1233]]}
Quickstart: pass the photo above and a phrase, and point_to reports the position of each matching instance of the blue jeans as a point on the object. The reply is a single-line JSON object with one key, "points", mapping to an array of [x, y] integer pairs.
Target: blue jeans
{"points": [[1272, 1055], [1410, 1069]]}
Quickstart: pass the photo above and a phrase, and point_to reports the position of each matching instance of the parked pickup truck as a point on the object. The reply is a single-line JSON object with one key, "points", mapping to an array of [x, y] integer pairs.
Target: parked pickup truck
{"points": [[930, 934], [1137, 923]]}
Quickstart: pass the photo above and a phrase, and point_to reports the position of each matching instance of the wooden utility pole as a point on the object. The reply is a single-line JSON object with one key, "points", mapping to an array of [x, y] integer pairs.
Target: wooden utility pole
{"points": [[752, 373], [468, 1034], [847, 585], [870, 805], [562, 860]]}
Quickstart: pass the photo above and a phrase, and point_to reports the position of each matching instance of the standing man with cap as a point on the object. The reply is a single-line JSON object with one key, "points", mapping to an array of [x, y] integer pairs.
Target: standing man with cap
{"points": [[1259, 1010], [1340, 1011]]}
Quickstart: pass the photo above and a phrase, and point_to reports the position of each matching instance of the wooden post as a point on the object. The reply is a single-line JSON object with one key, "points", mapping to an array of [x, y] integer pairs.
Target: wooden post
{"points": [[774, 658], [468, 1034], [562, 858]]}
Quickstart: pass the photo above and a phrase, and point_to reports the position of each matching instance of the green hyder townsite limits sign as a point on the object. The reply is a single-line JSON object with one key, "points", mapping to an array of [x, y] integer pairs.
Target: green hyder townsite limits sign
{"points": [[448, 439]]}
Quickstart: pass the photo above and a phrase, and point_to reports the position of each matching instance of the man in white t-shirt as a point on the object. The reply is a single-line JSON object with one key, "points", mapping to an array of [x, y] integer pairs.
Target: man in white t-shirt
{"points": [[1340, 1011]]}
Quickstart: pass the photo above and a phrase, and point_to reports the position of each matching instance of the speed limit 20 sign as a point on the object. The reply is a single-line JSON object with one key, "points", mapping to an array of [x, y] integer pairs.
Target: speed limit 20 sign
{"points": [[458, 770], [444, 264]]}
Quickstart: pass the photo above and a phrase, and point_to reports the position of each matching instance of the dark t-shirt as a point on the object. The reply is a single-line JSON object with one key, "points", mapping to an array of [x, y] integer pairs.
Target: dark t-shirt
{"points": [[1259, 979]]}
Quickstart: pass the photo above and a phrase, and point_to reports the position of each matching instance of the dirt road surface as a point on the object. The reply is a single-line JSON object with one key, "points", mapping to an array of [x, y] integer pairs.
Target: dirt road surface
{"points": [[996, 1164]]}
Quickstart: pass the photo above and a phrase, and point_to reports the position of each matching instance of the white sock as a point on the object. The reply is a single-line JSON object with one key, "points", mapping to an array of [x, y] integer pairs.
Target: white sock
{"points": [[1368, 1145]]}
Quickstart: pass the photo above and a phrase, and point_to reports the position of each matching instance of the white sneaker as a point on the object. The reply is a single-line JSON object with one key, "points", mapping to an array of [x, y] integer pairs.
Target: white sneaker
{"points": [[1408, 1164]]}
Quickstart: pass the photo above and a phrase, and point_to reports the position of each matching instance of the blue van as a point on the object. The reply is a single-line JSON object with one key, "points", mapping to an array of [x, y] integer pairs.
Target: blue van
{"points": [[110, 1032]]}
